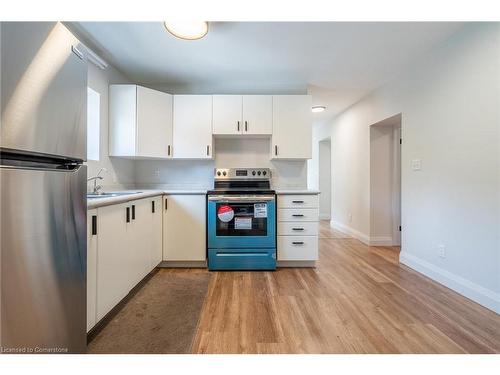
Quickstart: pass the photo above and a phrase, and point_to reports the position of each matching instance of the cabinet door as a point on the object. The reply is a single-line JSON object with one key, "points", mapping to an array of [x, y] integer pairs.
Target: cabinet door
{"points": [[140, 240], [292, 127], [91, 268], [227, 117], [257, 114], [113, 259], [154, 123], [157, 232], [193, 126], [184, 228], [122, 120]]}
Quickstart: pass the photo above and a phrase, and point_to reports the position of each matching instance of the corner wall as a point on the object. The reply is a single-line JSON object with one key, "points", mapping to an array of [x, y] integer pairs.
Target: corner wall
{"points": [[450, 105], [120, 172]]}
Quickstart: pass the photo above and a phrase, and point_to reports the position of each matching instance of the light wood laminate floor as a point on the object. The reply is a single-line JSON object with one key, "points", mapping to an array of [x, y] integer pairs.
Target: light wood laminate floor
{"points": [[359, 299]]}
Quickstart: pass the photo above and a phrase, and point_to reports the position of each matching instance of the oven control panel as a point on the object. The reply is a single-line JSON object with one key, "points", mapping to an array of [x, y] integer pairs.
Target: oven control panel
{"points": [[242, 173]]}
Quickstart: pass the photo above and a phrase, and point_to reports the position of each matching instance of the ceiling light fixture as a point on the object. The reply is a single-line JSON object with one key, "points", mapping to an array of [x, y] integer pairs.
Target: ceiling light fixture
{"points": [[189, 30], [318, 108]]}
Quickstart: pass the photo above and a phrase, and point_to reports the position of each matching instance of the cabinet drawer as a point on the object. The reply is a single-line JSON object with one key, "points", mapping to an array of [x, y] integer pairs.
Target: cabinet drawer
{"points": [[298, 214], [290, 228], [297, 247], [298, 201]]}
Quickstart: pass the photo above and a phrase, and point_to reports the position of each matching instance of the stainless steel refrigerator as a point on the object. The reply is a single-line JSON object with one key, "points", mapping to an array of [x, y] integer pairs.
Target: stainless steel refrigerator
{"points": [[42, 189]]}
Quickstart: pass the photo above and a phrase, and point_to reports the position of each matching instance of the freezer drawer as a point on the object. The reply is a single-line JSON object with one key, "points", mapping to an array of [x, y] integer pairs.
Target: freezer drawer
{"points": [[43, 260], [241, 259], [44, 89]]}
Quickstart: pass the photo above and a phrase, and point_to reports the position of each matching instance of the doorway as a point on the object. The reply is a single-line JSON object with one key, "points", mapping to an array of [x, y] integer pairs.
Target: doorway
{"points": [[385, 182], [325, 180]]}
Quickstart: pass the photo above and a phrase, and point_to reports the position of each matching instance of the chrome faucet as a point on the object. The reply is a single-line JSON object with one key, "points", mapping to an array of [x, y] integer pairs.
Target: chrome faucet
{"points": [[95, 178]]}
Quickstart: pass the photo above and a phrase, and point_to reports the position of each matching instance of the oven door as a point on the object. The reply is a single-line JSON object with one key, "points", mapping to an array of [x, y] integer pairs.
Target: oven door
{"points": [[241, 221]]}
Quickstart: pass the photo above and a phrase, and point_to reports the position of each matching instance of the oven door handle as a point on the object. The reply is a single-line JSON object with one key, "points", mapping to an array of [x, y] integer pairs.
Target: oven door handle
{"points": [[241, 198]]}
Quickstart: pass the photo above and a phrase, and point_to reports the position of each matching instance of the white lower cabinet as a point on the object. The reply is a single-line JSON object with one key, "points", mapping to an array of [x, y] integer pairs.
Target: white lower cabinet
{"points": [[297, 247], [157, 229], [113, 257], [123, 245], [298, 219], [184, 228], [91, 268]]}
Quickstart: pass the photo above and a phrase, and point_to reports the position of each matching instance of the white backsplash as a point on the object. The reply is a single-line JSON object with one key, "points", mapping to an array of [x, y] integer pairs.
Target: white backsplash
{"points": [[229, 153]]}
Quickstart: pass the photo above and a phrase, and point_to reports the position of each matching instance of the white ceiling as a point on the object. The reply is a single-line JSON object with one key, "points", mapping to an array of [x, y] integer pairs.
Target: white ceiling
{"points": [[338, 63]]}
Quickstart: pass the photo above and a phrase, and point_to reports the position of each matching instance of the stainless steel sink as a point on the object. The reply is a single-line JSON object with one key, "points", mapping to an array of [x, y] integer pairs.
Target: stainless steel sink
{"points": [[109, 195]]}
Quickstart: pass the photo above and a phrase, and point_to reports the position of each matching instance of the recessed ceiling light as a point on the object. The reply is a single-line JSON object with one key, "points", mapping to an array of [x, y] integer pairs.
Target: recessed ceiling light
{"points": [[189, 30], [318, 108]]}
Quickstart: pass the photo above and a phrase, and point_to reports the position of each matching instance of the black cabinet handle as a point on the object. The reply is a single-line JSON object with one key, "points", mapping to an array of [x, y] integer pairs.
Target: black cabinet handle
{"points": [[94, 225], [128, 214], [238, 125], [297, 242], [297, 215], [246, 126], [297, 201], [168, 152], [276, 150], [153, 206], [208, 150], [166, 204], [133, 212], [297, 228]]}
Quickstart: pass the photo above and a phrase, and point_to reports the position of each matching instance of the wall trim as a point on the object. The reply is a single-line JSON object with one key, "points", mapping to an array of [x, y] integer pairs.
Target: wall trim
{"points": [[467, 288], [350, 231], [381, 241]]}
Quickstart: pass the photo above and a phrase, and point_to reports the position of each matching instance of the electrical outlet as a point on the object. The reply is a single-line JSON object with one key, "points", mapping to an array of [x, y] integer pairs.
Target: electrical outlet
{"points": [[156, 173], [416, 164], [442, 251]]}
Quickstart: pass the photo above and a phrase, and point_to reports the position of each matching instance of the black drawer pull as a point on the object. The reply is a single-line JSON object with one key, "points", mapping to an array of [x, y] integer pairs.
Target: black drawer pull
{"points": [[128, 214], [298, 215], [297, 201], [297, 228], [298, 242], [94, 225], [153, 206], [133, 212]]}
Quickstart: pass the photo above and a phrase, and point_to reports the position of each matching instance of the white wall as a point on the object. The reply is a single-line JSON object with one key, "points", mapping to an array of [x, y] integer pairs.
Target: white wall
{"points": [[229, 153], [381, 183], [325, 171], [120, 172], [450, 105]]}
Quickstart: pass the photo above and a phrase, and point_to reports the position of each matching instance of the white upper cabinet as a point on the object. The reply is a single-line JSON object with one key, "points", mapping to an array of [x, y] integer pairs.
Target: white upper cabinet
{"points": [[257, 114], [140, 122], [193, 127], [227, 114], [292, 127], [242, 114]]}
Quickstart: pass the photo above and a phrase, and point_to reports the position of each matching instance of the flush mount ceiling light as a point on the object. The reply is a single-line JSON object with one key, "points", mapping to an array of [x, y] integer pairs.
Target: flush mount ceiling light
{"points": [[189, 30], [318, 108]]}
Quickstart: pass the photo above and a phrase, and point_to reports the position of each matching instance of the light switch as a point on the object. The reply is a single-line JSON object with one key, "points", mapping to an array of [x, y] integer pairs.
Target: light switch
{"points": [[416, 164]]}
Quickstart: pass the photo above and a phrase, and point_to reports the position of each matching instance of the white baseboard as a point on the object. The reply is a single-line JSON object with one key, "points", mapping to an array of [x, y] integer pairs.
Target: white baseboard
{"points": [[324, 216], [381, 241], [350, 231], [473, 291]]}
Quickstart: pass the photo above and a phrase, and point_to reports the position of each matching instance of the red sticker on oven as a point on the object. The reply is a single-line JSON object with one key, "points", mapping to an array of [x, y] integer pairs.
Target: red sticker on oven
{"points": [[225, 214]]}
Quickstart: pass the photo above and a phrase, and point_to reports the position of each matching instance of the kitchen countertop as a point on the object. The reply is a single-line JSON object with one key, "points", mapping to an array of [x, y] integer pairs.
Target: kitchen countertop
{"points": [[297, 191], [134, 195]]}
